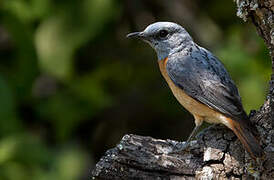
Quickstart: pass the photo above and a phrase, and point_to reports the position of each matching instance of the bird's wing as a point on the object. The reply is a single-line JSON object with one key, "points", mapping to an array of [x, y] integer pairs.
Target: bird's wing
{"points": [[203, 77]]}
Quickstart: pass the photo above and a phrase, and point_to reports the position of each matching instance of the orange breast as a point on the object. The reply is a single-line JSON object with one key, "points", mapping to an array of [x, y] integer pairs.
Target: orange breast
{"points": [[193, 106]]}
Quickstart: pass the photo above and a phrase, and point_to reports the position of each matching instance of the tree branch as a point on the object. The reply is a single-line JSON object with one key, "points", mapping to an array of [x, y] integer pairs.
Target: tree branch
{"points": [[217, 153]]}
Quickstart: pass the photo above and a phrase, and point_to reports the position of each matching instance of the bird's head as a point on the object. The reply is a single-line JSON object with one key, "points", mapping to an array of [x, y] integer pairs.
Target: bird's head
{"points": [[165, 37]]}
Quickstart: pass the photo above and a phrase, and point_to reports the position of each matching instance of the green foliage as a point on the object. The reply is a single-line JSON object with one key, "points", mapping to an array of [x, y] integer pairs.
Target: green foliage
{"points": [[71, 84], [59, 36], [7, 111]]}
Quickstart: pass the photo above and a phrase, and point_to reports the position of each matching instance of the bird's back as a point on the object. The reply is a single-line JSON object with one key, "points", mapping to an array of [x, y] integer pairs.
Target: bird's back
{"points": [[204, 78]]}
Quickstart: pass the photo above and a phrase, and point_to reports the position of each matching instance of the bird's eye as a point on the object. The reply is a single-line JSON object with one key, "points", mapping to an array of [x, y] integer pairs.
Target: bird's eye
{"points": [[163, 33]]}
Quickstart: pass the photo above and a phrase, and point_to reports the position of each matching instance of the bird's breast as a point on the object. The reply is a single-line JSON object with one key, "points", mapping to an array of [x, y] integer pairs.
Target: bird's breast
{"points": [[193, 106]]}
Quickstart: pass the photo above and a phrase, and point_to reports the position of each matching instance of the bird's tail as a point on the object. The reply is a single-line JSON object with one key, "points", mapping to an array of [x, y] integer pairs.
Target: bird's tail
{"points": [[247, 138]]}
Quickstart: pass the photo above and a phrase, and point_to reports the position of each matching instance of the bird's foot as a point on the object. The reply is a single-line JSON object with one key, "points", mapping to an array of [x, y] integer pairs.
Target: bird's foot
{"points": [[180, 147]]}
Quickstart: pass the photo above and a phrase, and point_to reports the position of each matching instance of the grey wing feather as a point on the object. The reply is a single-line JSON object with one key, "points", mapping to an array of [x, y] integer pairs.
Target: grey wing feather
{"points": [[203, 77]]}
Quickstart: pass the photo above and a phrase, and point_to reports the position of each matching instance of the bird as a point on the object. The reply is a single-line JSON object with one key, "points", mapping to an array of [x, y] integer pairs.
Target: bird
{"points": [[200, 82]]}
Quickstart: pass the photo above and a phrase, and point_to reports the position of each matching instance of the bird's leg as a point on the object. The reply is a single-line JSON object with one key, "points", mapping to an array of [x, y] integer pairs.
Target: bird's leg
{"points": [[193, 133], [186, 144], [198, 123]]}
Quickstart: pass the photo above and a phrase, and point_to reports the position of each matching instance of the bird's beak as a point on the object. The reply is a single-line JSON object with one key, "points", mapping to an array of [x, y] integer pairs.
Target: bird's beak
{"points": [[136, 35]]}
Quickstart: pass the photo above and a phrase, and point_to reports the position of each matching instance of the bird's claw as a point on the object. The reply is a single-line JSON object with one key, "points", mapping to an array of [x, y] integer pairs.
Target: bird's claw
{"points": [[183, 147]]}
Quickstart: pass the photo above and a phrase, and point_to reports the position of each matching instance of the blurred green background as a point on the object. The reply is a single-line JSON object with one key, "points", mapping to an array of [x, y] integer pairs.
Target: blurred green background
{"points": [[71, 84]]}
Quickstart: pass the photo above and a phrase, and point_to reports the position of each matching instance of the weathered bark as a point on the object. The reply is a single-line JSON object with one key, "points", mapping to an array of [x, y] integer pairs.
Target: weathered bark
{"points": [[217, 153]]}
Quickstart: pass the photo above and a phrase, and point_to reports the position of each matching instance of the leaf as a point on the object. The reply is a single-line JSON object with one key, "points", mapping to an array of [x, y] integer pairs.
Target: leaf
{"points": [[60, 35]]}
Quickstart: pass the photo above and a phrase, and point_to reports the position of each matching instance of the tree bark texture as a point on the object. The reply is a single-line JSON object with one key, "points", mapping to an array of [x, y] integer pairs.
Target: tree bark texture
{"points": [[217, 153]]}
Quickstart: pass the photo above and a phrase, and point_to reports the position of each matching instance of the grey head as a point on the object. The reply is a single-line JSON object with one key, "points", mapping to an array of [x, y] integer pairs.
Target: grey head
{"points": [[165, 37]]}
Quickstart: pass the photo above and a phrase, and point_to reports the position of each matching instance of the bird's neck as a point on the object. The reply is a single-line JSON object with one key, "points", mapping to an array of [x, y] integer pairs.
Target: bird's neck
{"points": [[183, 46], [162, 55]]}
